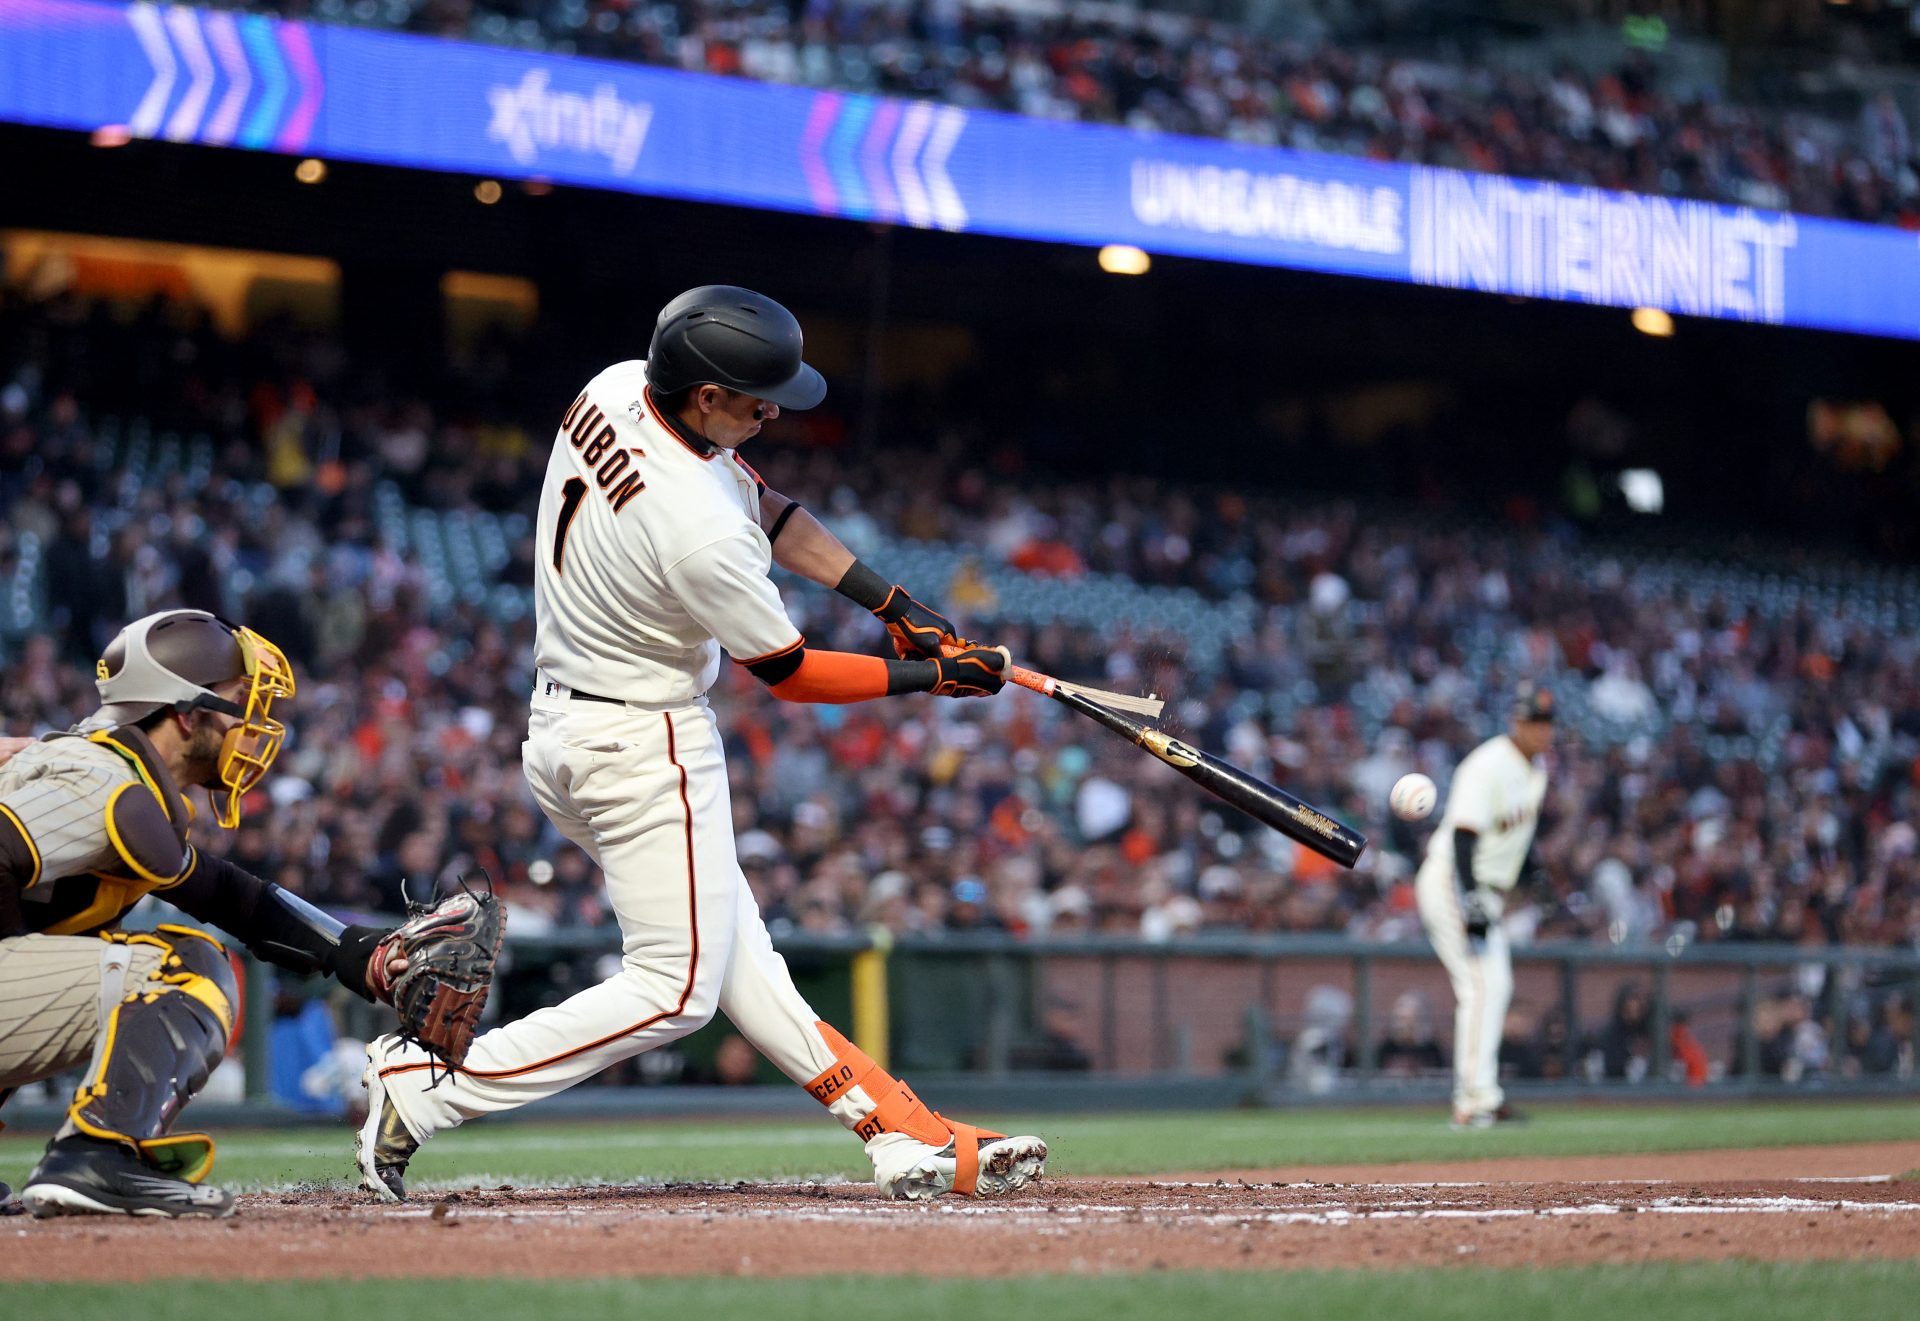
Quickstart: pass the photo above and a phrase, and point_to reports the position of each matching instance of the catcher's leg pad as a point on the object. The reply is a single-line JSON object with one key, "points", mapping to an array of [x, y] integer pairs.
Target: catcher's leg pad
{"points": [[895, 1108], [161, 1044]]}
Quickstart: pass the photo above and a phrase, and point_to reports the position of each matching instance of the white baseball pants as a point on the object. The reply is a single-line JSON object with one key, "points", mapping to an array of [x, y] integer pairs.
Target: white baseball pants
{"points": [[1482, 976], [644, 792]]}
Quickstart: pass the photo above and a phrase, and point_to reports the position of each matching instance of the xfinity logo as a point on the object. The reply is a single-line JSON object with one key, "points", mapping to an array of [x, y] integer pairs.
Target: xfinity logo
{"points": [[531, 118]]}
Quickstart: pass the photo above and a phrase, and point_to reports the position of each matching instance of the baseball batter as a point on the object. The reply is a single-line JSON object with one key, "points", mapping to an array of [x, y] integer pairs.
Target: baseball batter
{"points": [[654, 546], [92, 821], [1473, 860]]}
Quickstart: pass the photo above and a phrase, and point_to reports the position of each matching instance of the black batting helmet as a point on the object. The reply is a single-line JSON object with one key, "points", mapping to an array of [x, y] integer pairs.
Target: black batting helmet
{"points": [[720, 334]]}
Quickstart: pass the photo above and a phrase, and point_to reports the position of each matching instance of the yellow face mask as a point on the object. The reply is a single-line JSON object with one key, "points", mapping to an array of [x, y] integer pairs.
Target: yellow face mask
{"points": [[251, 745]]}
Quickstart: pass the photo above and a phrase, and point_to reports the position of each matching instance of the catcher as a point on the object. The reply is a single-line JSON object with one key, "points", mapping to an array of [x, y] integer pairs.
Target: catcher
{"points": [[92, 821]]}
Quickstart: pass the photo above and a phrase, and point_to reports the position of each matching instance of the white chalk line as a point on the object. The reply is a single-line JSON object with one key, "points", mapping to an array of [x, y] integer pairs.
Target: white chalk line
{"points": [[489, 1181], [1504, 1183], [1163, 1216], [1844, 1178]]}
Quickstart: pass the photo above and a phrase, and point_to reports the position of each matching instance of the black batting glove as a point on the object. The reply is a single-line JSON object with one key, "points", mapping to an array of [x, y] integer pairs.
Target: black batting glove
{"points": [[918, 632], [974, 672]]}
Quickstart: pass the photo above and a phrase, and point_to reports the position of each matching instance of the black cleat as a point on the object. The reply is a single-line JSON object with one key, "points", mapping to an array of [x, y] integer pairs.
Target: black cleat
{"points": [[79, 1176], [9, 1204]]}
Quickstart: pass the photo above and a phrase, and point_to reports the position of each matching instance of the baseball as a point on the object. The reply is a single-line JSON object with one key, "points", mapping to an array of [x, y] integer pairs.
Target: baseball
{"points": [[1412, 797]]}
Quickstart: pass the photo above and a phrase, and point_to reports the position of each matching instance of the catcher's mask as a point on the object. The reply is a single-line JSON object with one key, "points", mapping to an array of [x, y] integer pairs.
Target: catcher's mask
{"points": [[172, 660]]}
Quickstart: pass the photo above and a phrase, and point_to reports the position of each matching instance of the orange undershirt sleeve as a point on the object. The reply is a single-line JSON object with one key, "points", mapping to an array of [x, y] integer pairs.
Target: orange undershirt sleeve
{"points": [[798, 674], [834, 676]]}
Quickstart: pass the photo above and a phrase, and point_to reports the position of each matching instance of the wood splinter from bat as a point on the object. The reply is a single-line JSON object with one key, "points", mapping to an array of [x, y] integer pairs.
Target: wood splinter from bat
{"points": [[1148, 706]]}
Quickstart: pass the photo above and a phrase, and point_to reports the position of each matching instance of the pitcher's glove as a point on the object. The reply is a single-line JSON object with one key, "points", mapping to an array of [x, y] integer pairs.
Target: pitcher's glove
{"points": [[918, 631], [1476, 909], [450, 950]]}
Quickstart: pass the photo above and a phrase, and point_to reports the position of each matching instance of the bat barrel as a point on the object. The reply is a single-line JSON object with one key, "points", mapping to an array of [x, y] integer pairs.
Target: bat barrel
{"points": [[1266, 803]]}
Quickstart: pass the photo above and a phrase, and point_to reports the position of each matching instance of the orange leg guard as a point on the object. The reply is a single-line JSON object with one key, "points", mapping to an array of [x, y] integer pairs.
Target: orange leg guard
{"points": [[895, 1108]]}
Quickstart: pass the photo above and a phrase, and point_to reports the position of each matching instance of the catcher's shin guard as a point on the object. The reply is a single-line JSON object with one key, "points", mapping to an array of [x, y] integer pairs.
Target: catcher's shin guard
{"points": [[161, 1044], [875, 1104]]}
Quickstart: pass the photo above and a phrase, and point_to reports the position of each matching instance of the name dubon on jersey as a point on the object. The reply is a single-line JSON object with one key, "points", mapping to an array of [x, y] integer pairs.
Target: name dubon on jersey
{"points": [[650, 556]]}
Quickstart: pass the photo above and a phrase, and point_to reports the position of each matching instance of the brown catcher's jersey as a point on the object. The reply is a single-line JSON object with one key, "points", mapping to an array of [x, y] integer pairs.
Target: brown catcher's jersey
{"points": [[91, 822]]}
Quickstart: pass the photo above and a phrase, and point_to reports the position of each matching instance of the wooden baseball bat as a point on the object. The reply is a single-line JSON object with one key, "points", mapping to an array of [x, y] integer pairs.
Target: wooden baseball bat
{"points": [[1263, 802], [1046, 685]]}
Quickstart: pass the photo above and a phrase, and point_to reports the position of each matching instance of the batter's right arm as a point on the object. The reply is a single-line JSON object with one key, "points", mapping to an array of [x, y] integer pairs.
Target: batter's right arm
{"points": [[803, 545], [729, 594]]}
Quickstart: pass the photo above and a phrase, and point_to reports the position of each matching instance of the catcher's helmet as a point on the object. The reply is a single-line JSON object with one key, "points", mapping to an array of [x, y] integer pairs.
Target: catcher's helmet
{"points": [[173, 659], [720, 334]]}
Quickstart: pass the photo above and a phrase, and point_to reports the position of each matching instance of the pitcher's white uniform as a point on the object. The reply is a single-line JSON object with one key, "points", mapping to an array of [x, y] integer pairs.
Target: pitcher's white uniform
{"points": [[651, 559], [1496, 792]]}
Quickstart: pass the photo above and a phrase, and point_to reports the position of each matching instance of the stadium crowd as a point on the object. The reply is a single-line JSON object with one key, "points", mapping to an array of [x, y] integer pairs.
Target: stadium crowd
{"points": [[1731, 775], [1633, 126]]}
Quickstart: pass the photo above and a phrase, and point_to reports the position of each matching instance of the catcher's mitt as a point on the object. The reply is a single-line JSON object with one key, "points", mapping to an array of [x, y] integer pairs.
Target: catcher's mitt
{"points": [[451, 948]]}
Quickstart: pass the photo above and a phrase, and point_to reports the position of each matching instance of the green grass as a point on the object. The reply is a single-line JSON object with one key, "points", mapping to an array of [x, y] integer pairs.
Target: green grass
{"points": [[1735, 1291], [632, 1150]]}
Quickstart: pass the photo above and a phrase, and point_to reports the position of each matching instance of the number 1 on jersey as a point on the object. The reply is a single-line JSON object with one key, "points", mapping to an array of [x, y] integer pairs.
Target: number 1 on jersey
{"points": [[572, 492]]}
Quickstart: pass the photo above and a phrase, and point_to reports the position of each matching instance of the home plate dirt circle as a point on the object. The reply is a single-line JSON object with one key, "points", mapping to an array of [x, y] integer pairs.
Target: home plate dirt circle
{"points": [[1816, 1203]]}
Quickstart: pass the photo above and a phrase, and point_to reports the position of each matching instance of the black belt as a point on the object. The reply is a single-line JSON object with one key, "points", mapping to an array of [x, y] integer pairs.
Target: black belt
{"points": [[579, 696]]}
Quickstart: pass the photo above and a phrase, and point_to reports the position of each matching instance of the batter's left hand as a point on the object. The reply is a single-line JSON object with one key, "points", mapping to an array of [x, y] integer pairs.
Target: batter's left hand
{"points": [[918, 631], [9, 746], [972, 672]]}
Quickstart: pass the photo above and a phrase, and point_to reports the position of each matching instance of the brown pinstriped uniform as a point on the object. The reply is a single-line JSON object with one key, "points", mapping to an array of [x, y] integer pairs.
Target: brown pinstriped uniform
{"points": [[57, 791]]}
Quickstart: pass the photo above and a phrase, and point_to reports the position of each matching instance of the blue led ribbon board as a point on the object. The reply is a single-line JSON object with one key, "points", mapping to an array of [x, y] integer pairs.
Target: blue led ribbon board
{"points": [[249, 81]]}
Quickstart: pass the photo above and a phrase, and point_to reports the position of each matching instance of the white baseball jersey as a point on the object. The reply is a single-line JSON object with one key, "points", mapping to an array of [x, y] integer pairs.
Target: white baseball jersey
{"points": [[651, 559], [650, 555], [1496, 793]]}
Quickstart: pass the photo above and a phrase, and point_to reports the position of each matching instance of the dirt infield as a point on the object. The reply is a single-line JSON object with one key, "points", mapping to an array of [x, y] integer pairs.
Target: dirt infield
{"points": [[1784, 1204]]}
